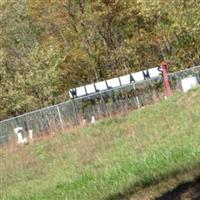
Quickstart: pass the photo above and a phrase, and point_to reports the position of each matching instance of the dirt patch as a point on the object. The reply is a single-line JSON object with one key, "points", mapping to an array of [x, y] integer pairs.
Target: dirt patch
{"points": [[185, 191]]}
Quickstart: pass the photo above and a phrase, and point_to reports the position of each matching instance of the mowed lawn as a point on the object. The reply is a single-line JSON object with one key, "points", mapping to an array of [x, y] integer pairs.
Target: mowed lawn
{"points": [[115, 155]]}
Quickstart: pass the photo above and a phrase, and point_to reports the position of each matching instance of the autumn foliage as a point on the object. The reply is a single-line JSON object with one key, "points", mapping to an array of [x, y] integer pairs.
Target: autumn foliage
{"points": [[48, 47]]}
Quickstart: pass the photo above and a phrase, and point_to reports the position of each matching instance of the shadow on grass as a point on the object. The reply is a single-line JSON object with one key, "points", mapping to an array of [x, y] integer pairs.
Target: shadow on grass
{"points": [[192, 189], [132, 189]]}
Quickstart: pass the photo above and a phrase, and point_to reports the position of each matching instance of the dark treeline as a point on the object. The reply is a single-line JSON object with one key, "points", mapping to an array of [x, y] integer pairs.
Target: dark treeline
{"points": [[48, 47]]}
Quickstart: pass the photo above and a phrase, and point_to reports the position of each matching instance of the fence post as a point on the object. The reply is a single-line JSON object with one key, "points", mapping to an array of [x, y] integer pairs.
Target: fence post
{"points": [[136, 97], [165, 78], [60, 117], [75, 111], [107, 113]]}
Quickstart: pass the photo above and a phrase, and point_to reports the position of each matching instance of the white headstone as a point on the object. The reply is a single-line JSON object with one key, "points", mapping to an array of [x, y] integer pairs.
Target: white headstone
{"points": [[18, 131], [189, 83], [20, 136], [30, 132]]}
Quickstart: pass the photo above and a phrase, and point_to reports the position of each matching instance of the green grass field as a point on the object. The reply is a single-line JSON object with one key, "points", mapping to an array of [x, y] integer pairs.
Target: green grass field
{"points": [[125, 153]]}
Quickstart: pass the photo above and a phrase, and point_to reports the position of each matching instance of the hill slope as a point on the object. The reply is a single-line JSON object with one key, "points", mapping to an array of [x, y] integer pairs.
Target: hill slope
{"points": [[115, 156]]}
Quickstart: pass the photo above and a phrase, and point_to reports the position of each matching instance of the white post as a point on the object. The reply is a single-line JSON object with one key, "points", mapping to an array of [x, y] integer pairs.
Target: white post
{"points": [[30, 133], [93, 120]]}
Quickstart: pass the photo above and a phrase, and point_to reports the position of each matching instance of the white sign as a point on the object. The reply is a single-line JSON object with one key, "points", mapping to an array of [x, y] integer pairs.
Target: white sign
{"points": [[115, 82]]}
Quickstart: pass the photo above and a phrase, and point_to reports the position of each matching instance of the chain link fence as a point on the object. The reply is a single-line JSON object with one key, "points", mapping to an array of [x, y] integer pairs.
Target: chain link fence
{"points": [[106, 103]]}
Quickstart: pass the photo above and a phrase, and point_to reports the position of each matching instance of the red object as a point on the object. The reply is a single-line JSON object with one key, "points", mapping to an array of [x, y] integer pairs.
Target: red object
{"points": [[165, 78]]}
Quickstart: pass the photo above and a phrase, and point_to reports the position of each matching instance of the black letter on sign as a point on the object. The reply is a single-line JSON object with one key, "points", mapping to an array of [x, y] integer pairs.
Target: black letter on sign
{"points": [[85, 90], [146, 74], [109, 87], [73, 92], [160, 70], [131, 79], [96, 88]]}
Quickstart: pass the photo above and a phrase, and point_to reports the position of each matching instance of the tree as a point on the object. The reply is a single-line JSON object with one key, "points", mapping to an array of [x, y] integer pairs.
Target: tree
{"points": [[48, 47]]}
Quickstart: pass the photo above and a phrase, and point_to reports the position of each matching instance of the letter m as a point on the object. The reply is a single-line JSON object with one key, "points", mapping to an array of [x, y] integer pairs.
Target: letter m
{"points": [[146, 74]]}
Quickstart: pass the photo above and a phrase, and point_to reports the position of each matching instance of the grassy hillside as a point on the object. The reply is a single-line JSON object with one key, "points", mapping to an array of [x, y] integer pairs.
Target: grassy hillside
{"points": [[124, 153]]}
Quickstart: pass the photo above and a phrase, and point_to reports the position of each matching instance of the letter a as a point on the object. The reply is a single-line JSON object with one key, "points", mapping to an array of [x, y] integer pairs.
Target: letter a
{"points": [[131, 78]]}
